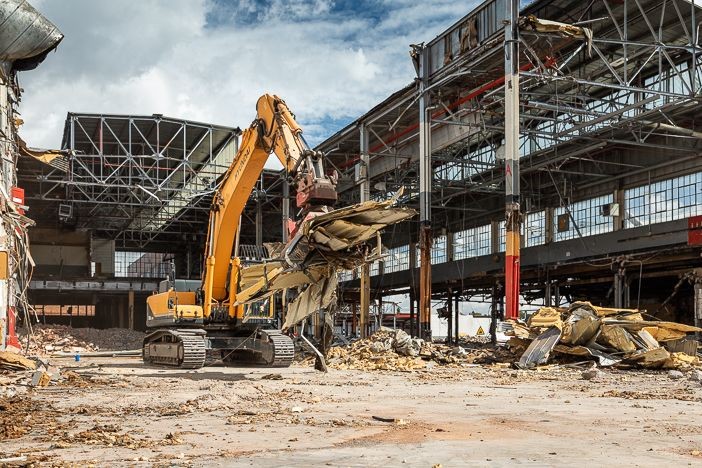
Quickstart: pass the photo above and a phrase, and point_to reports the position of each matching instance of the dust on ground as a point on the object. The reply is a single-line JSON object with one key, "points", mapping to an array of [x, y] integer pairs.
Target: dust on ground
{"points": [[116, 411]]}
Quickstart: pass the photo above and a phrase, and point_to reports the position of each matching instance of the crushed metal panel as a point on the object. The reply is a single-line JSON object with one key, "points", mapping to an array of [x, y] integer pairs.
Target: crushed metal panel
{"points": [[54, 158], [687, 346], [617, 337], [546, 317], [317, 296], [539, 349], [652, 358], [603, 359], [647, 339], [638, 325], [664, 334], [26, 36], [581, 326]]}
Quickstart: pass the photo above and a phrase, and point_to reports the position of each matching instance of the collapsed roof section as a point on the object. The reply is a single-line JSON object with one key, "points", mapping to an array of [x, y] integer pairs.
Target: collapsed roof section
{"points": [[26, 36]]}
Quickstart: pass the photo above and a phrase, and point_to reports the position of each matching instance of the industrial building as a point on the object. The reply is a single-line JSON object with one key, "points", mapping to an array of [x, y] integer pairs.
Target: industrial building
{"points": [[553, 156], [611, 181]]}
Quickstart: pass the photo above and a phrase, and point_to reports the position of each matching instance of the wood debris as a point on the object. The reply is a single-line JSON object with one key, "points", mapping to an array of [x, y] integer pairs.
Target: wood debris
{"points": [[14, 361]]}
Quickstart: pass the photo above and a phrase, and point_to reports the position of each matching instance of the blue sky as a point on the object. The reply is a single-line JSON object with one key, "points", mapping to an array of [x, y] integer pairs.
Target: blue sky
{"points": [[209, 60]]}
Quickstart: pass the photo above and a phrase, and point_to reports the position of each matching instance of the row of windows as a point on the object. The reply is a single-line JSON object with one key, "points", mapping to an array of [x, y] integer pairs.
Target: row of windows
{"points": [[65, 310], [667, 200]]}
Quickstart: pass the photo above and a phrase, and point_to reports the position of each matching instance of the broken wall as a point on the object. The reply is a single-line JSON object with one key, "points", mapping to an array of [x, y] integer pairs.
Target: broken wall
{"points": [[26, 37]]}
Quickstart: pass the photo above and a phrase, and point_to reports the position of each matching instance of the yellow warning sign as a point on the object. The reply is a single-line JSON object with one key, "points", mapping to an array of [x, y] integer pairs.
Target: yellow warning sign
{"points": [[480, 331]]}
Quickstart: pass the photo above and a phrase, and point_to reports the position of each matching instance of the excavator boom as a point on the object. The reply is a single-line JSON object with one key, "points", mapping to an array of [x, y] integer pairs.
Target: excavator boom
{"points": [[213, 307]]}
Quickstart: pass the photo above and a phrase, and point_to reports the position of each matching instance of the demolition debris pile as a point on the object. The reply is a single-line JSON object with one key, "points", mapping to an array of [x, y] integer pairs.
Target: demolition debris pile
{"points": [[395, 350], [613, 337], [48, 339]]}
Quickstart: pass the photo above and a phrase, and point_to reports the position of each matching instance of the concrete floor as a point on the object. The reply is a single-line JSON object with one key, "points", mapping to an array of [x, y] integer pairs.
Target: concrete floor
{"points": [[475, 416]]}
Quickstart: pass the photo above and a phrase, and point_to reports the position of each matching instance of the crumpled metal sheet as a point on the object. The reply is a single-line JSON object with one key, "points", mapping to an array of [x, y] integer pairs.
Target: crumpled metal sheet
{"points": [[604, 359], [26, 36], [333, 242], [555, 27], [349, 227], [539, 349], [317, 296]]}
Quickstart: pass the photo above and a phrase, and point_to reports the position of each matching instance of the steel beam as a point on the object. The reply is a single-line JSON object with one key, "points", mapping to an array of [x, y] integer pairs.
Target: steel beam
{"points": [[698, 303], [512, 209], [364, 187], [425, 189]]}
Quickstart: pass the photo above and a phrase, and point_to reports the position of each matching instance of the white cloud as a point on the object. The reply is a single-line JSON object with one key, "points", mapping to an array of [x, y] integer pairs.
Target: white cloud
{"points": [[150, 56]]}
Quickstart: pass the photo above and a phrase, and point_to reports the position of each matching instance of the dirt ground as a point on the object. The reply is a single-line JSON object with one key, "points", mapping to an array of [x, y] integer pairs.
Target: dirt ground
{"points": [[116, 412]]}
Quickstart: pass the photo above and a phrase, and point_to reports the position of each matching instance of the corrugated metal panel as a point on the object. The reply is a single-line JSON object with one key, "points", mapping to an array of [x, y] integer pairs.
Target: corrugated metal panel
{"points": [[26, 36]]}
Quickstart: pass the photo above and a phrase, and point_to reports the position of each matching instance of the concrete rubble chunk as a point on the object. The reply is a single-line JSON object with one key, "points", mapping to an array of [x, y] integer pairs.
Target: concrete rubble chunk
{"points": [[675, 374], [591, 374], [40, 379]]}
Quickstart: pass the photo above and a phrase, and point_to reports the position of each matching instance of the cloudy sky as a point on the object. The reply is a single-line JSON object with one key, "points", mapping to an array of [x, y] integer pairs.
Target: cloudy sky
{"points": [[209, 60]]}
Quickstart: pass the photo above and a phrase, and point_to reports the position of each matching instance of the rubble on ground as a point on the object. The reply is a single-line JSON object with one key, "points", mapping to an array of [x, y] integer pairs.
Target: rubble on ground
{"points": [[49, 339], [390, 349], [612, 337]]}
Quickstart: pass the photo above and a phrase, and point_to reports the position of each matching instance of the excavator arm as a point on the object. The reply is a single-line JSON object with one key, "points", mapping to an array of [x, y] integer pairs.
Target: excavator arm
{"points": [[273, 131]]}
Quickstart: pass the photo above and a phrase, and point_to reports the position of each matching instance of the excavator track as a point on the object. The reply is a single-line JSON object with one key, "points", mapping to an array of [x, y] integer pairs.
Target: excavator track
{"points": [[184, 349], [281, 349]]}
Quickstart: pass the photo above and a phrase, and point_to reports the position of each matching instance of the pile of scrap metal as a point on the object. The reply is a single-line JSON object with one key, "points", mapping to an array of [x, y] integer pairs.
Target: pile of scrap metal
{"points": [[618, 337], [322, 247]]}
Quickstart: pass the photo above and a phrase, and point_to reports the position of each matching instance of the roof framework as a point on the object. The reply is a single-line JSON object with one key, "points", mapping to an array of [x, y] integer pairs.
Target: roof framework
{"points": [[137, 179], [596, 115], [636, 84]]}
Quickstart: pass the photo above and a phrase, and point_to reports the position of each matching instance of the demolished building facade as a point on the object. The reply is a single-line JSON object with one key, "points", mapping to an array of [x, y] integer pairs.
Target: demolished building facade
{"points": [[26, 37]]}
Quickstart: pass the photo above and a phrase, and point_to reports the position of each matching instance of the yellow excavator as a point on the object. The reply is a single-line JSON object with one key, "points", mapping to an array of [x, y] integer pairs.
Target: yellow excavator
{"points": [[204, 320]]}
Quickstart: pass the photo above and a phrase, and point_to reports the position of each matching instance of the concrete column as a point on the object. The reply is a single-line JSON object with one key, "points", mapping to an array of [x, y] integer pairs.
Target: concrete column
{"points": [[449, 311], [548, 221], [412, 314], [456, 312], [619, 218], [131, 309], [548, 296]]}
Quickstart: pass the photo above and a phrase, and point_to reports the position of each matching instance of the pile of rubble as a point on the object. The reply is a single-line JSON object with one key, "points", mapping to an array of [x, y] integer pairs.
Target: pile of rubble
{"points": [[390, 349], [49, 339], [612, 337]]}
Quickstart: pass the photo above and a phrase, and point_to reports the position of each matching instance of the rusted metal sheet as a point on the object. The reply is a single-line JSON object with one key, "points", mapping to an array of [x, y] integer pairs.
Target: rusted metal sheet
{"points": [[26, 36]]}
